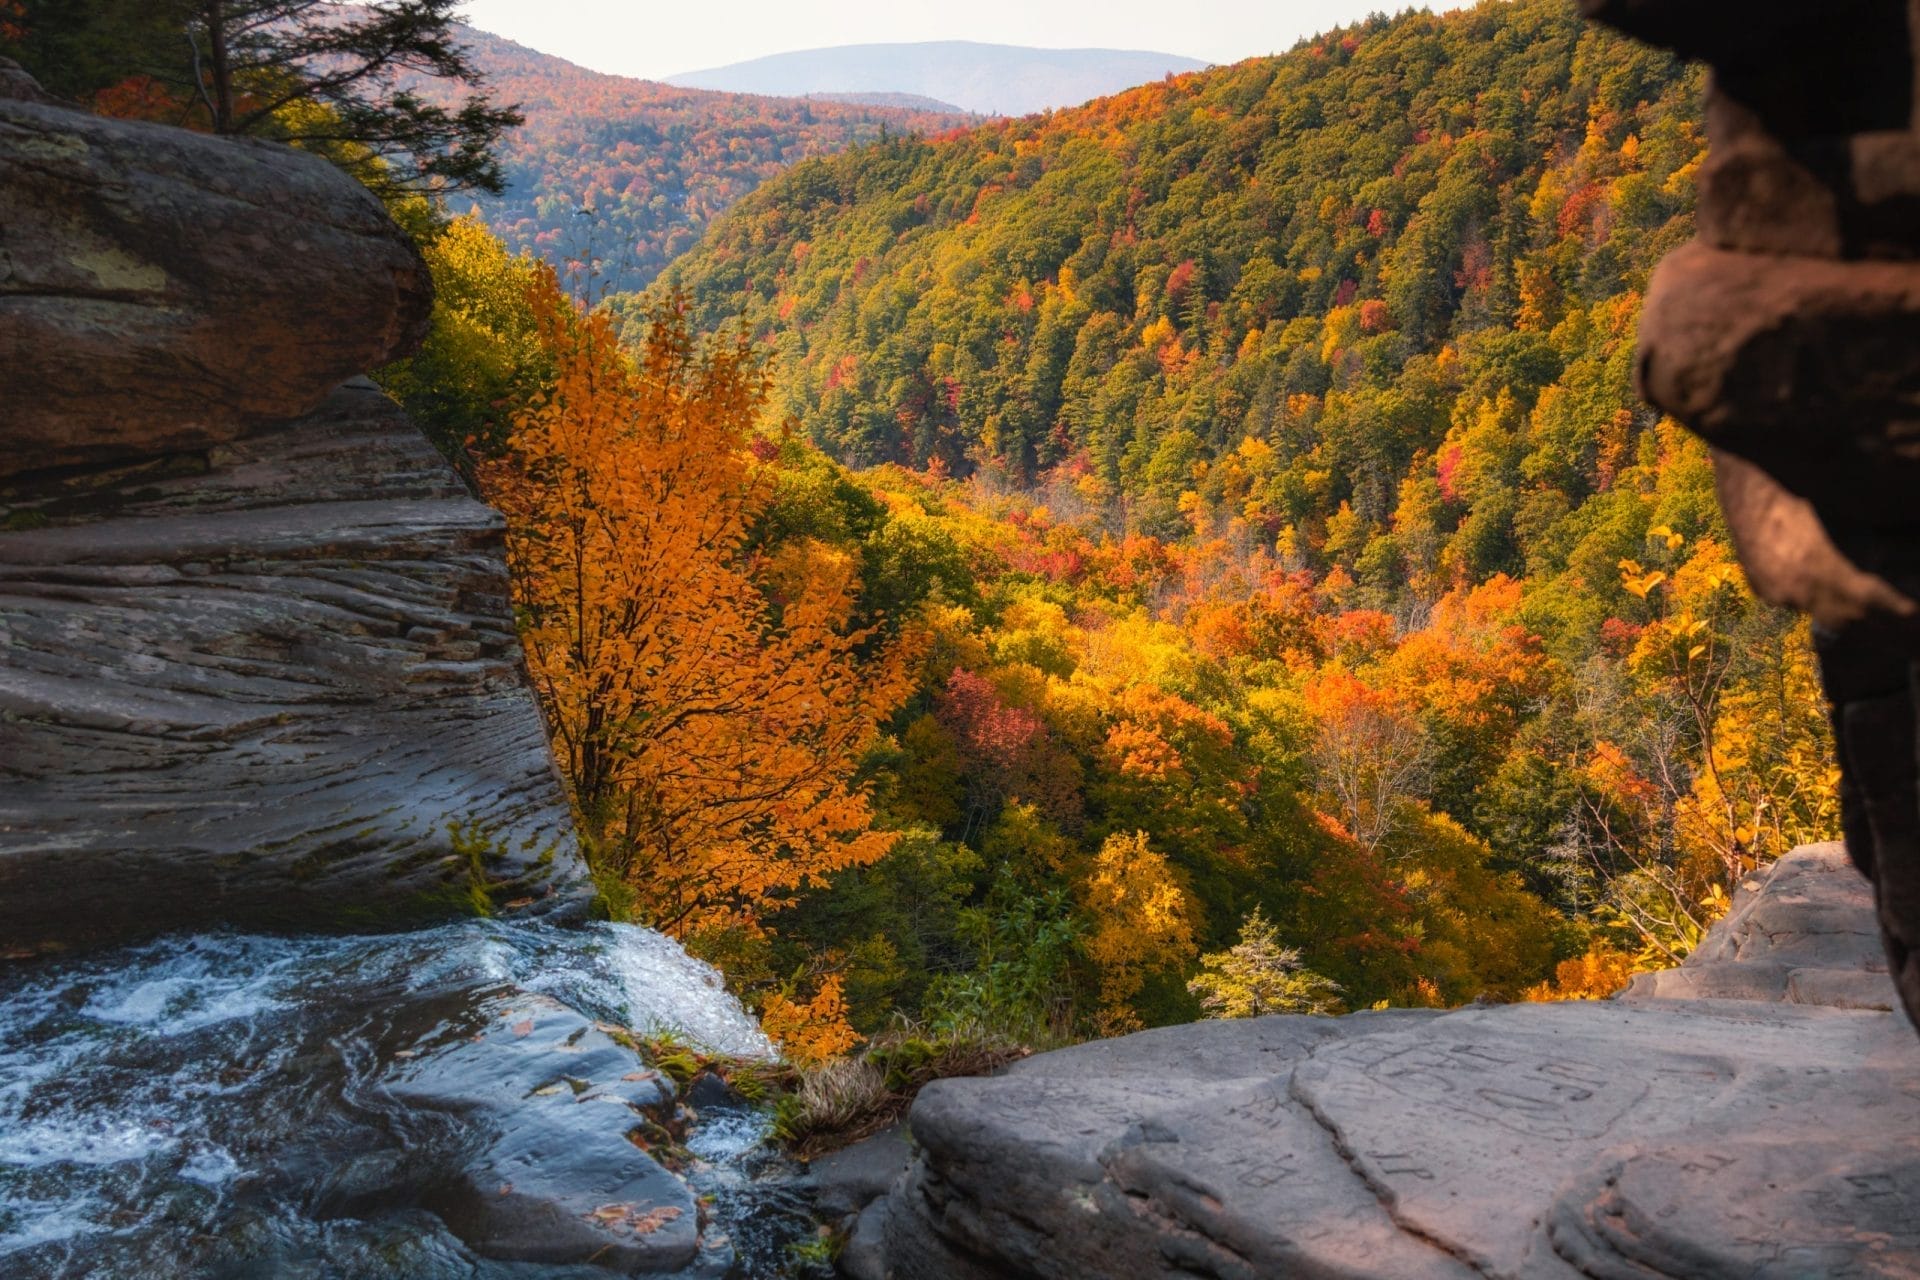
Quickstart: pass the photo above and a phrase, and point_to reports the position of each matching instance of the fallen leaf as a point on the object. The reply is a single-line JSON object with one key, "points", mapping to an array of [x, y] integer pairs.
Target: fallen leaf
{"points": [[524, 1027], [654, 1219], [634, 1218]]}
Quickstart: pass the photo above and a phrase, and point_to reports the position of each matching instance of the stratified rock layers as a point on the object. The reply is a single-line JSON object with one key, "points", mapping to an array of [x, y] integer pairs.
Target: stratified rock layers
{"points": [[275, 685], [162, 290], [1773, 1135]]}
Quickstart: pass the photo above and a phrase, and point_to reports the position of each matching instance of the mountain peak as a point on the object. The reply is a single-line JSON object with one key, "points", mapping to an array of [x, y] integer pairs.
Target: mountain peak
{"points": [[988, 79]]}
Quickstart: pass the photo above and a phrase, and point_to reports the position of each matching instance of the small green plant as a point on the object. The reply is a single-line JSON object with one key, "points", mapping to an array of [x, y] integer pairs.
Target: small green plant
{"points": [[478, 847], [1020, 986], [614, 897], [672, 1056], [816, 1254]]}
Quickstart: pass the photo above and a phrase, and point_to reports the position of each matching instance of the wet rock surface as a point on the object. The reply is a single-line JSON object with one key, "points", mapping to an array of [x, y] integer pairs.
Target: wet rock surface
{"points": [[276, 684], [846, 1181], [163, 290], [466, 1102], [1754, 1113], [557, 1179]]}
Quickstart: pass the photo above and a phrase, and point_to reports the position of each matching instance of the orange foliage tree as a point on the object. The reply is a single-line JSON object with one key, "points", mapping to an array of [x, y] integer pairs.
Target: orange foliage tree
{"points": [[812, 1032], [711, 708], [1369, 756]]}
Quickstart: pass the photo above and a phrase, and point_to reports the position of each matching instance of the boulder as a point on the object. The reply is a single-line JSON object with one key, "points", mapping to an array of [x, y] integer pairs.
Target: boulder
{"points": [[844, 1182], [1806, 366], [1840, 198], [1800, 932], [162, 290], [555, 1178], [1725, 29], [1792, 560], [16, 83], [275, 684], [1769, 1130]]}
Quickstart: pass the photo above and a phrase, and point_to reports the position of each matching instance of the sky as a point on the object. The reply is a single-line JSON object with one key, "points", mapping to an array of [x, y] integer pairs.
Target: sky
{"points": [[656, 38]]}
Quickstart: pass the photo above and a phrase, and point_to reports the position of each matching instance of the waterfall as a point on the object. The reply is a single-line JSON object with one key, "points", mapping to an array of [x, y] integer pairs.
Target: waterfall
{"points": [[222, 1104]]}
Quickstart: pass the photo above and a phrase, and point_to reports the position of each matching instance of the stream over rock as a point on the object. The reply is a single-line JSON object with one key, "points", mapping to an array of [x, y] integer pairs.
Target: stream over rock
{"points": [[451, 1102], [259, 673]]}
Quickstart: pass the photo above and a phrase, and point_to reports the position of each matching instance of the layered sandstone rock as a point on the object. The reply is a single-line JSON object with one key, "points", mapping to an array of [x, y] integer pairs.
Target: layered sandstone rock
{"points": [[257, 658], [274, 685], [162, 290], [1770, 1130]]}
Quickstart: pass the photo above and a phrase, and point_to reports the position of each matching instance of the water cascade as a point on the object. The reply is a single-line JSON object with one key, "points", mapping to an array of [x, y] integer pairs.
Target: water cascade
{"points": [[242, 1104]]}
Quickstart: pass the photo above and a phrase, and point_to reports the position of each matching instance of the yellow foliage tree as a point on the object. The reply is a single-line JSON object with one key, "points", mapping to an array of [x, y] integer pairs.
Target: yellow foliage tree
{"points": [[1141, 922], [1257, 976], [1725, 764], [1596, 975], [483, 355], [710, 708]]}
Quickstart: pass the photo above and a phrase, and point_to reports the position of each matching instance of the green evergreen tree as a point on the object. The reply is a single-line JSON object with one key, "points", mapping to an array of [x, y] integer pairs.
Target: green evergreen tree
{"points": [[1258, 976]]}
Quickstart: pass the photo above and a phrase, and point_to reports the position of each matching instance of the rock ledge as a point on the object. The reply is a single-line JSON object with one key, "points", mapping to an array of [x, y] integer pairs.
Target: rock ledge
{"points": [[1755, 1113], [275, 685]]}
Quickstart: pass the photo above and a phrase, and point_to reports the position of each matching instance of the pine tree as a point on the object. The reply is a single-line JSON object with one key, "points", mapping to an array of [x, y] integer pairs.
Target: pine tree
{"points": [[333, 78], [1259, 976]]}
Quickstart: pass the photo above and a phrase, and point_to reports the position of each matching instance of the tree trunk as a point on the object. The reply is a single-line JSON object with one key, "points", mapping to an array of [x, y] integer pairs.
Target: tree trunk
{"points": [[221, 67]]}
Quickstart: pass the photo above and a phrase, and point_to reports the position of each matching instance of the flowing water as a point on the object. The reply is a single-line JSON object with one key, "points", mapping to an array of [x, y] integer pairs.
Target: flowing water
{"points": [[212, 1105]]}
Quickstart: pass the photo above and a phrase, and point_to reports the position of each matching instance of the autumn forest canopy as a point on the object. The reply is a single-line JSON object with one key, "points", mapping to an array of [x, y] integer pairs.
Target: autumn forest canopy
{"points": [[1198, 554], [1273, 428]]}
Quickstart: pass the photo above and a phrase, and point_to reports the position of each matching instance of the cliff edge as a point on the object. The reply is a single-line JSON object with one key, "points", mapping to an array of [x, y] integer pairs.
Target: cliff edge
{"points": [[258, 663], [1754, 1113]]}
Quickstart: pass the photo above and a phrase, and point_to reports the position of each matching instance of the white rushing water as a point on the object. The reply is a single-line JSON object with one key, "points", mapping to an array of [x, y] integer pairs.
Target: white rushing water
{"points": [[207, 1104]]}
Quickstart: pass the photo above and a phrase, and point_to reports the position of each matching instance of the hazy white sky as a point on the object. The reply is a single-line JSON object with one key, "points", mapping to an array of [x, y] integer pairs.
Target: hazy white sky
{"points": [[654, 38]]}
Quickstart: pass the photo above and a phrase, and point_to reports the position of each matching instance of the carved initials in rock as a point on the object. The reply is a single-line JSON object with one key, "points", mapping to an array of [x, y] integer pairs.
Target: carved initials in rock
{"points": [[1554, 1098], [1399, 1164]]}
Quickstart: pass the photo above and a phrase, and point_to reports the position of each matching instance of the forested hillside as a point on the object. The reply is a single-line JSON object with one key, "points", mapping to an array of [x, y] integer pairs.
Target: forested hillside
{"points": [[1259, 449], [1187, 256], [650, 163]]}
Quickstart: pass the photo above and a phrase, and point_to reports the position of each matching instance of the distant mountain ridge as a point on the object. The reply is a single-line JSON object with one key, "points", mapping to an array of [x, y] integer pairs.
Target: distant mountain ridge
{"points": [[905, 101], [988, 79], [627, 173]]}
